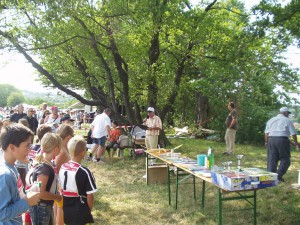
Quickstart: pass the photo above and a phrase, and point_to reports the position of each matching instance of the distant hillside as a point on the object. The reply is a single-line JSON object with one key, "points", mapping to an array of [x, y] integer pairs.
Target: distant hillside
{"points": [[53, 96]]}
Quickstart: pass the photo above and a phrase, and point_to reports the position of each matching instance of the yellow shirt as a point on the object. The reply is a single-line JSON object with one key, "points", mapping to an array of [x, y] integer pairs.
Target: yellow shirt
{"points": [[155, 121]]}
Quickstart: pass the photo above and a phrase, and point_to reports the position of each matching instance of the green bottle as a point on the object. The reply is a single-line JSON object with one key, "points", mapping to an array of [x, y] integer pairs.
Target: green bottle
{"points": [[211, 158]]}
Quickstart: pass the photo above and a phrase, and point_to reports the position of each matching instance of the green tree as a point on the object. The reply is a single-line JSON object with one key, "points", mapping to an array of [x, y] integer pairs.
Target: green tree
{"points": [[15, 98], [136, 53], [5, 91]]}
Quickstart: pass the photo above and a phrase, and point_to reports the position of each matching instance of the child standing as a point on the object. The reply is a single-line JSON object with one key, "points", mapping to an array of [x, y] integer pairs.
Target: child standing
{"points": [[44, 172], [15, 140], [78, 185]]}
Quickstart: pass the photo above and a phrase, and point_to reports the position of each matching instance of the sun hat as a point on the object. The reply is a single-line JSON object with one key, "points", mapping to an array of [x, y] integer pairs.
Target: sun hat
{"points": [[284, 109], [150, 109], [66, 117]]}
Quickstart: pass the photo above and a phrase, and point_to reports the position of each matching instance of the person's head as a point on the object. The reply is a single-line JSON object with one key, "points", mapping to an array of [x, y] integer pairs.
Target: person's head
{"points": [[50, 144], [42, 130], [44, 106], [46, 113], [54, 110], [6, 122], [150, 112], [285, 111], [231, 106], [30, 112], [77, 147], [114, 123], [107, 111], [24, 122], [66, 119], [17, 139], [65, 131], [20, 108]]}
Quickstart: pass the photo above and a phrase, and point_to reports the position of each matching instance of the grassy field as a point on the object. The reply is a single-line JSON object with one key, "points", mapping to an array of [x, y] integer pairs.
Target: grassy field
{"points": [[124, 197]]}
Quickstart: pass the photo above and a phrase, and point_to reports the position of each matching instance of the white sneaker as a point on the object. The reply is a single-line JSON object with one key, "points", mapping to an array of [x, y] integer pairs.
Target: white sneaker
{"points": [[94, 159]]}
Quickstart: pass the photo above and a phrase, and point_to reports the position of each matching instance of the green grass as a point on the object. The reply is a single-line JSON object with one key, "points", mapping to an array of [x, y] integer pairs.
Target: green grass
{"points": [[124, 197]]}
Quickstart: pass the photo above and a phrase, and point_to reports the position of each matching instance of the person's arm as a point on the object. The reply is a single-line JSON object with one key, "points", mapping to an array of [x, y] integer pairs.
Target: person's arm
{"points": [[90, 201], [46, 195], [234, 119], [10, 207], [266, 139], [295, 140], [233, 123], [107, 127], [60, 159]]}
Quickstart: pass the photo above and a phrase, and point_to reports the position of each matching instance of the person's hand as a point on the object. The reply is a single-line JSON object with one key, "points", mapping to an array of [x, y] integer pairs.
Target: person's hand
{"points": [[58, 198], [32, 198]]}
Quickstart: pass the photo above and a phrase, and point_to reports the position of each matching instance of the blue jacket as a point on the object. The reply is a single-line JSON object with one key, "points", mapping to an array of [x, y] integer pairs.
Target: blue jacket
{"points": [[11, 205]]}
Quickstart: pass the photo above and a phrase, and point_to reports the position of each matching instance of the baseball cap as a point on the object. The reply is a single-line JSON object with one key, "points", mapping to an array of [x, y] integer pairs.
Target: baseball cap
{"points": [[54, 108], [284, 109], [150, 109], [66, 117]]}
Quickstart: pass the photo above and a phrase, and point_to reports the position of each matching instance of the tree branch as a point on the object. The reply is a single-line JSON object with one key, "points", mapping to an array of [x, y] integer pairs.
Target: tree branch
{"points": [[210, 6], [44, 72]]}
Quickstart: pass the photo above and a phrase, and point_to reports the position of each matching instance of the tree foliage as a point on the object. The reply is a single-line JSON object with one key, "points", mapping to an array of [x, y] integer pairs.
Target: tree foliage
{"points": [[15, 98], [5, 91], [130, 54]]}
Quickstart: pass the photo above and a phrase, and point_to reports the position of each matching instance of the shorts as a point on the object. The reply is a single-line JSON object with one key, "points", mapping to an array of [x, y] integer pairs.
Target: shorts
{"points": [[100, 141]]}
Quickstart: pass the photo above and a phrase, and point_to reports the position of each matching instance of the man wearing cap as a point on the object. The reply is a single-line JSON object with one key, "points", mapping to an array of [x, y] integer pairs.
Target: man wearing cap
{"points": [[154, 125], [53, 119], [66, 119], [277, 132]]}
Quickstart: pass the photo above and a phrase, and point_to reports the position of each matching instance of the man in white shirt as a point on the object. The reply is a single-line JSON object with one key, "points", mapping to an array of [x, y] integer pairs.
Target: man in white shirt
{"points": [[100, 132], [278, 130]]}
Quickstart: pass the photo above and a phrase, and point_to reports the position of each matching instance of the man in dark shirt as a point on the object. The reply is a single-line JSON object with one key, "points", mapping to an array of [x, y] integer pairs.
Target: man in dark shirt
{"points": [[32, 121], [231, 125], [18, 115]]}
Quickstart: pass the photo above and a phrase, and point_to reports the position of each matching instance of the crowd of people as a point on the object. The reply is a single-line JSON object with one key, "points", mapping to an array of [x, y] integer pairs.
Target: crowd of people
{"points": [[43, 182], [38, 148]]}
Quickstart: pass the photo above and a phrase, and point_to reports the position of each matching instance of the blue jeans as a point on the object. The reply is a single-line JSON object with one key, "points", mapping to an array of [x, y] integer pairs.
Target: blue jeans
{"points": [[41, 215]]}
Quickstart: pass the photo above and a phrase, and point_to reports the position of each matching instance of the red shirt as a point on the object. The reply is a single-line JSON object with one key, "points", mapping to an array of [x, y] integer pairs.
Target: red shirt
{"points": [[114, 134]]}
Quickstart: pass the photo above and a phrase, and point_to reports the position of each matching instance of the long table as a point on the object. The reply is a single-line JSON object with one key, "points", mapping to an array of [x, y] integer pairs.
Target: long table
{"points": [[182, 173]]}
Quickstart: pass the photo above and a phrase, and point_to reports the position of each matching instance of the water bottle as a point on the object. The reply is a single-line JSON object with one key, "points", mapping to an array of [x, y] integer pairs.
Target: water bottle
{"points": [[36, 186], [211, 158]]}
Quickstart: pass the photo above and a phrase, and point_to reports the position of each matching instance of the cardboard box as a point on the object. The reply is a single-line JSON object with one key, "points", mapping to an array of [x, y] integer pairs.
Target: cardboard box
{"points": [[157, 174], [249, 178]]}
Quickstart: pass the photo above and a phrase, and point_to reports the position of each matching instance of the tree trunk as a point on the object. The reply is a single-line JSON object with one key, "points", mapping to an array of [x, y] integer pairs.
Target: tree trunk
{"points": [[201, 110], [163, 140]]}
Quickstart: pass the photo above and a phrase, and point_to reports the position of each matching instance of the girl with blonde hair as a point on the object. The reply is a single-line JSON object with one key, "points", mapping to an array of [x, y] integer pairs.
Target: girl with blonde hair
{"points": [[44, 172]]}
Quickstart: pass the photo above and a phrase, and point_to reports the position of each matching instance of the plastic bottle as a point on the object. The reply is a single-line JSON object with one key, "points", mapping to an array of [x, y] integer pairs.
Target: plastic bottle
{"points": [[210, 158], [211, 161], [36, 186]]}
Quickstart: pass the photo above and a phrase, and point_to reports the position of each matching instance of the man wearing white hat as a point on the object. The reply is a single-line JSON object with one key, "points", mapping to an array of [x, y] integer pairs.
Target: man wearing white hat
{"points": [[154, 125], [278, 130]]}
